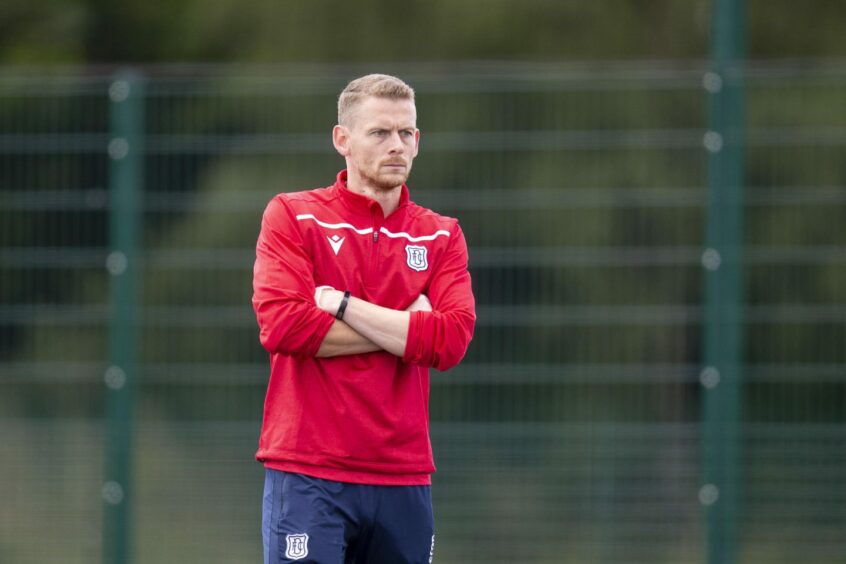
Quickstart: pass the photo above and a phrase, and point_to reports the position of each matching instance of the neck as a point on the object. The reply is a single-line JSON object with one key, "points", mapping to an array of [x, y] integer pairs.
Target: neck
{"points": [[387, 198]]}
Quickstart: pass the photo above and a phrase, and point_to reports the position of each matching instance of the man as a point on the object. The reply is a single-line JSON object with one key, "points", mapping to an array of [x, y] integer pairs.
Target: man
{"points": [[357, 292]]}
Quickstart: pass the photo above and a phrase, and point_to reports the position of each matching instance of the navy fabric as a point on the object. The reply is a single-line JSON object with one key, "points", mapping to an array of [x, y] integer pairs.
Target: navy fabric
{"points": [[309, 520]]}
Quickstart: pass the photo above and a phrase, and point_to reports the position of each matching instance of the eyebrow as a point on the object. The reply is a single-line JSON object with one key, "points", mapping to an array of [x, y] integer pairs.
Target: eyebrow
{"points": [[376, 127]]}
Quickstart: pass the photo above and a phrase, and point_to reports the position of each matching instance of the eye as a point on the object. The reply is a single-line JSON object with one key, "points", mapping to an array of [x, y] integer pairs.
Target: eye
{"points": [[407, 133], [379, 132]]}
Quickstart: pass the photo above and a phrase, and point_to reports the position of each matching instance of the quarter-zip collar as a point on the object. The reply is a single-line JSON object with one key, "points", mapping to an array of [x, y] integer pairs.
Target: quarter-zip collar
{"points": [[362, 205]]}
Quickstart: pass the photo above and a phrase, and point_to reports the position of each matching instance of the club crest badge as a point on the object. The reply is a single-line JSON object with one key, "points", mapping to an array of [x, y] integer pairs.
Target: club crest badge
{"points": [[416, 257], [297, 548]]}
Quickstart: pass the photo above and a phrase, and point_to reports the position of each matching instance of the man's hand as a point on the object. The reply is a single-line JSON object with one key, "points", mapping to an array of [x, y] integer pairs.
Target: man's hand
{"points": [[422, 303], [328, 299], [324, 298]]}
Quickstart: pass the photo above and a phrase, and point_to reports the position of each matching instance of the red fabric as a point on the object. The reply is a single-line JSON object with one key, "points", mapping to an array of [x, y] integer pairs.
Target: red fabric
{"points": [[356, 418]]}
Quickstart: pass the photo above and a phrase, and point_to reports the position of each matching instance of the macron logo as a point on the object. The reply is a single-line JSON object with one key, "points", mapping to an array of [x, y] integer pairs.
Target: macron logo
{"points": [[336, 243]]}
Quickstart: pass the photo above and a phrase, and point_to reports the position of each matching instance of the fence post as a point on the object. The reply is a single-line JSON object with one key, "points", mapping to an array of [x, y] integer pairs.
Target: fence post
{"points": [[125, 153], [721, 375]]}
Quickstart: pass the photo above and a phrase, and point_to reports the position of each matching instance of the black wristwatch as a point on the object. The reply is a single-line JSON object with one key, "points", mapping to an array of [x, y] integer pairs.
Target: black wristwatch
{"points": [[343, 307]]}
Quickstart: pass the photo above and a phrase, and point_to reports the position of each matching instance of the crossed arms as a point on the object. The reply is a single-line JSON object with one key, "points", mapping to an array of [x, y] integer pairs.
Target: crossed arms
{"points": [[386, 329], [292, 323]]}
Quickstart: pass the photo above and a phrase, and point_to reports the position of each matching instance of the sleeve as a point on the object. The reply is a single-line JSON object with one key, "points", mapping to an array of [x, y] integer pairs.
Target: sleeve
{"points": [[283, 287], [439, 338]]}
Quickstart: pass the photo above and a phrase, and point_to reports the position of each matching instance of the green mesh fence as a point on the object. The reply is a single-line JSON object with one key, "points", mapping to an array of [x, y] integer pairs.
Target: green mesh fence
{"points": [[572, 432]]}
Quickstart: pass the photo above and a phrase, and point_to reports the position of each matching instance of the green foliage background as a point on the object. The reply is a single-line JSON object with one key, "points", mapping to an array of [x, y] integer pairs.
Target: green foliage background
{"points": [[574, 421], [273, 31]]}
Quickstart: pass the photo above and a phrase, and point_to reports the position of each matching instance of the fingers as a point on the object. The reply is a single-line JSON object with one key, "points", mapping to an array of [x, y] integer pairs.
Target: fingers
{"points": [[318, 293], [422, 303]]}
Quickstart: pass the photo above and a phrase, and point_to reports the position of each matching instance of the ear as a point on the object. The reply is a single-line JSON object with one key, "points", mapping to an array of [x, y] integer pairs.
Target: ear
{"points": [[341, 140], [416, 141]]}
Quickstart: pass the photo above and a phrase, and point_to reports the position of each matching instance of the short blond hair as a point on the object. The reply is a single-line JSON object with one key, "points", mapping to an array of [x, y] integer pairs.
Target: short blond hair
{"points": [[379, 85]]}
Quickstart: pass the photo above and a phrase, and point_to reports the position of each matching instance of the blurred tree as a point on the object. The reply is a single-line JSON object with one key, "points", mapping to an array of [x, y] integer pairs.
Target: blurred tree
{"points": [[270, 31]]}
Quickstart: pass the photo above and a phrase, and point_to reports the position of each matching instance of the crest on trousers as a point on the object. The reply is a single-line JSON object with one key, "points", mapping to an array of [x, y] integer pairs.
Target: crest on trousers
{"points": [[416, 257], [297, 546]]}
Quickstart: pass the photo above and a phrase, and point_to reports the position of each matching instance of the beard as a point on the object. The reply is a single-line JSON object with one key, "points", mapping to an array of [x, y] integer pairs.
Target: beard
{"points": [[388, 180]]}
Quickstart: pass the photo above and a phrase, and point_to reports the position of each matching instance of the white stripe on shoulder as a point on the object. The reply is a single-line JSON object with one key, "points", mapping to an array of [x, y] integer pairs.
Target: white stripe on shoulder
{"points": [[334, 225], [432, 237]]}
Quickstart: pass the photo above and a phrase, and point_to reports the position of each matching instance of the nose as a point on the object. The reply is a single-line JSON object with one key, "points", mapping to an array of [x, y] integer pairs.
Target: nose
{"points": [[396, 146]]}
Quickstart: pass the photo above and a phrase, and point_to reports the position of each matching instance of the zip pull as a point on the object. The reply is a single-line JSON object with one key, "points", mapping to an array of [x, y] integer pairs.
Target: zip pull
{"points": [[375, 236]]}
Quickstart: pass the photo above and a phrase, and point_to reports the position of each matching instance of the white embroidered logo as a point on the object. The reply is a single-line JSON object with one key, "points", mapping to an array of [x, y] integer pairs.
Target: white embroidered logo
{"points": [[336, 242], [297, 548], [416, 257]]}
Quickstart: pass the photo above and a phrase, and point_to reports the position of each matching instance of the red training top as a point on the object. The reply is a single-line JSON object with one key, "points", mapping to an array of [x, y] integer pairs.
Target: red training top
{"points": [[356, 418]]}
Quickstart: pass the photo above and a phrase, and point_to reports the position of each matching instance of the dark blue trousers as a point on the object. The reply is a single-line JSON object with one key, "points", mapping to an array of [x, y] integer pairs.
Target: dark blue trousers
{"points": [[309, 520]]}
